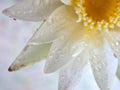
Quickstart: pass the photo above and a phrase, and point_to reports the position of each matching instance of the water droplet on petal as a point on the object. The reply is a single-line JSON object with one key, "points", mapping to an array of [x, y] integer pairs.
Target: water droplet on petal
{"points": [[117, 43]]}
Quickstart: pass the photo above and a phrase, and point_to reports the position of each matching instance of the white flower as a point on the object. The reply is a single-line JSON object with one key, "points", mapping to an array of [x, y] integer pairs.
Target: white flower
{"points": [[77, 32]]}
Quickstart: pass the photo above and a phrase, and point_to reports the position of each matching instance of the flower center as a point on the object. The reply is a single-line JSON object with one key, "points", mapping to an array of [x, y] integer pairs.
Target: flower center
{"points": [[98, 14]]}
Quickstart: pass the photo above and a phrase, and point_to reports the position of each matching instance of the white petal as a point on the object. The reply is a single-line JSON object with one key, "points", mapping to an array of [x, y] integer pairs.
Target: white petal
{"points": [[104, 66], [67, 2], [63, 50], [32, 10], [56, 25], [118, 70], [70, 75], [30, 55], [113, 38]]}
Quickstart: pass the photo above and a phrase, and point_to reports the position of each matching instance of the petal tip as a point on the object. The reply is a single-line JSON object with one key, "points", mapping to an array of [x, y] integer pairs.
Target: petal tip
{"points": [[5, 11], [48, 69], [10, 69], [15, 67], [9, 12]]}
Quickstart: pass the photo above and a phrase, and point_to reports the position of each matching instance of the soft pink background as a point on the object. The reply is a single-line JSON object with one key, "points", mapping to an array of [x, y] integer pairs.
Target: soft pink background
{"points": [[13, 37]]}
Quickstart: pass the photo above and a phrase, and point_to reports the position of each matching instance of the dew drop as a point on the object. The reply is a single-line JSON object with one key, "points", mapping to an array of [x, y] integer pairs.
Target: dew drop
{"points": [[62, 77], [61, 56], [117, 43], [18, 12], [96, 68], [99, 67], [49, 21], [13, 13], [24, 13], [51, 56]]}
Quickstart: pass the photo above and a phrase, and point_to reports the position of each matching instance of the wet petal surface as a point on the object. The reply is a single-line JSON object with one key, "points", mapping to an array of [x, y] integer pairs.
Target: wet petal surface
{"points": [[32, 10]]}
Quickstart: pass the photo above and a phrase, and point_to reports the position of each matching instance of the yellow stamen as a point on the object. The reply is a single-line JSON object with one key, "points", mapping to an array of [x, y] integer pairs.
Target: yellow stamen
{"points": [[98, 14]]}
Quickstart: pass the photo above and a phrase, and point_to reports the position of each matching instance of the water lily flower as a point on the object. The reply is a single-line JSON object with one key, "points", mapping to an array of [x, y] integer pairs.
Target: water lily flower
{"points": [[74, 33]]}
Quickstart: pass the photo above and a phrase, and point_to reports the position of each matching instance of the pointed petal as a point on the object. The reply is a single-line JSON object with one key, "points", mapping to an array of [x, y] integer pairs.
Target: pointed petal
{"points": [[32, 10], [118, 70], [113, 38], [30, 54], [56, 25], [70, 75], [64, 50], [104, 66]]}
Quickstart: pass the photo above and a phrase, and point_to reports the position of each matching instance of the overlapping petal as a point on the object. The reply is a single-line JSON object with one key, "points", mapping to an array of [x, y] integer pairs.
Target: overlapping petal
{"points": [[104, 66], [66, 47], [113, 38], [62, 51], [32, 10], [71, 74], [56, 25], [30, 55]]}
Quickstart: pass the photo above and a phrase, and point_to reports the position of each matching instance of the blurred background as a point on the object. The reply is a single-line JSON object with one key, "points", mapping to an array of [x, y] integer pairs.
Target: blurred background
{"points": [[14, 34]]}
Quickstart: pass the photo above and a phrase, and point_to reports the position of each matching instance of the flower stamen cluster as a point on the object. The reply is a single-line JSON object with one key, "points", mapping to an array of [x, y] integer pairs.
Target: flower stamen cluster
{"points": [[98, 14]]}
